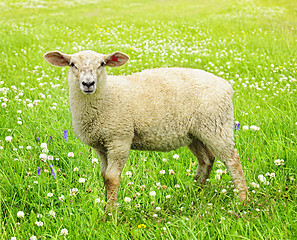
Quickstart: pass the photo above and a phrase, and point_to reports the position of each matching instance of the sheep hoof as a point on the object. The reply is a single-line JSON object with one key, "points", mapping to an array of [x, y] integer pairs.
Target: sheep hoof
{"points": [[244, 197]]}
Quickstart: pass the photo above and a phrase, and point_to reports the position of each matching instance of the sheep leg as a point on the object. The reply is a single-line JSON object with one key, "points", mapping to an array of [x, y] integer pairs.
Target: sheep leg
{"points": [[116, 159], [235, 169], [205, 159], [103, 161]]}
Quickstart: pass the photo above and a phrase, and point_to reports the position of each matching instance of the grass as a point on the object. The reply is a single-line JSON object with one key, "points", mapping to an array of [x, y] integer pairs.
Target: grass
{"points": [[249, 43]]}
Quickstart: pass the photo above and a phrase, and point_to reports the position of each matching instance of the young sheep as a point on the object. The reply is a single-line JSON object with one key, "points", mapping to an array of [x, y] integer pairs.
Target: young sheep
{"points": [[158, 110]]}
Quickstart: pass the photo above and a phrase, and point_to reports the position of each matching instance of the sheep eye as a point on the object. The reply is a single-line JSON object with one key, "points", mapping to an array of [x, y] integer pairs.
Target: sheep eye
{"points": [[102, 64], [72, 64]]}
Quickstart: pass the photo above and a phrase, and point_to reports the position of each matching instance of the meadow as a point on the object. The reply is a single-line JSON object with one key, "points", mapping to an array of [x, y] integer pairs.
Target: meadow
{"points": [[50, 183]]}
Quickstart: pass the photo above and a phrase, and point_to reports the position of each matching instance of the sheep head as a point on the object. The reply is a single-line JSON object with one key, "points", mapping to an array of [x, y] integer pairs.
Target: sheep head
{"points": [[86, 67]]}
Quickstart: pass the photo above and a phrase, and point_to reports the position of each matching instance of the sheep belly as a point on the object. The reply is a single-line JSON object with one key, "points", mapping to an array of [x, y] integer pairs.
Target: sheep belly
{"points": [[162, 138]]}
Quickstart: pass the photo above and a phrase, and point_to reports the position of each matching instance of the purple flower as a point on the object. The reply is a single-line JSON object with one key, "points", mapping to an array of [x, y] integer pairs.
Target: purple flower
{"points": [[53, 172], [65, 135], [38, 170], [38, 138], [51, 138], [237, 126]]}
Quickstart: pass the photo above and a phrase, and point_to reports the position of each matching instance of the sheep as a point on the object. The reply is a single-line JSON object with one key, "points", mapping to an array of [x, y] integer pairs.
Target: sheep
{"points": [[159, 109]]}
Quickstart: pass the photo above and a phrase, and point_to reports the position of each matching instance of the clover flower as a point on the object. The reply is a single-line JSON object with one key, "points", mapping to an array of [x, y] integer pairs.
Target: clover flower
{"points": [[153, 193], [255, 185], [254, 128], [245, 128], [94, 161], [20, 214], [279, 162], [263, 179], [70, 154], [52, 213], [127, 199], [43, 145], [50, 194], [62, 198], [64, 232], [43, 157], [81, 180], [8, 139], [39, 223]]}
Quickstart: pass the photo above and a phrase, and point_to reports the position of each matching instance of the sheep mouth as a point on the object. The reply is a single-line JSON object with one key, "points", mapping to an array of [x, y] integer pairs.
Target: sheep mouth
{"points": [[88, 92]]}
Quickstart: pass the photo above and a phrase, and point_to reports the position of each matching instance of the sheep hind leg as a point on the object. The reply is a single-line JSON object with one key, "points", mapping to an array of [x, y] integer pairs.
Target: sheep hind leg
{"points": [[235, 169], [205, 159]]}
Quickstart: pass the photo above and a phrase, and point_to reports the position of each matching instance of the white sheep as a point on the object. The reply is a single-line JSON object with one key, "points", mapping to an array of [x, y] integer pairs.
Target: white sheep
{"points": [[157, 110]]}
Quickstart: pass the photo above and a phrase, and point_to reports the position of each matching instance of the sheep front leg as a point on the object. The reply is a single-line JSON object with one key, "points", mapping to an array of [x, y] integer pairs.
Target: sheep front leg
{"points": [[116, 159]]}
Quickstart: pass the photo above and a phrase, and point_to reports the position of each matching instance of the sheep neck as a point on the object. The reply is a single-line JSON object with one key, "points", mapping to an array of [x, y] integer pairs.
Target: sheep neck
{"points": [[85, 108]]}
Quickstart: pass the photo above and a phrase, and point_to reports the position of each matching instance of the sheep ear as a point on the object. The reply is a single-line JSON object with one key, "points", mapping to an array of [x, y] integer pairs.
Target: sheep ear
{"points": [[116, 59], [57, 58]]}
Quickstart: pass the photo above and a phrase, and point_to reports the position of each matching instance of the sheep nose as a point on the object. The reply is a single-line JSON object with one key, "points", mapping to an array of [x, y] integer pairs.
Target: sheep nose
{"points": [[88, 84]]}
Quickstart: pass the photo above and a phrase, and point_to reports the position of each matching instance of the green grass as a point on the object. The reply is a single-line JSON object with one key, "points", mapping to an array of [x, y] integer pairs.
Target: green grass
{"points": [[252, 44]]}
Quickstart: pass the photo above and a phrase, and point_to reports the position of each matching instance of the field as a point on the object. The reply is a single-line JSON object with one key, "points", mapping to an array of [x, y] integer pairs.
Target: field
{"points": [[50, 183]]}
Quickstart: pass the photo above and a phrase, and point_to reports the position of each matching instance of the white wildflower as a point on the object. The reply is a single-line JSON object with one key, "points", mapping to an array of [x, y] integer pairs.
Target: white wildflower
{"points": [[81, 180], [95, 161], [50, 194], [153, 193], [245, 128], [129, 174], [39, 224], [20, 214], [43, 157], [70, 154], [64, 232], [8, 139], [254, 128], [52, 213], [62, 198], [127, 199], [43, 145]]}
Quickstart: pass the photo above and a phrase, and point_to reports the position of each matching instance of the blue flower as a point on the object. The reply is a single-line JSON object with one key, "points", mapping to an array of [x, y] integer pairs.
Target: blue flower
{"points": [[65, 135], [38, 170], [237, 126], [53, 172]]}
